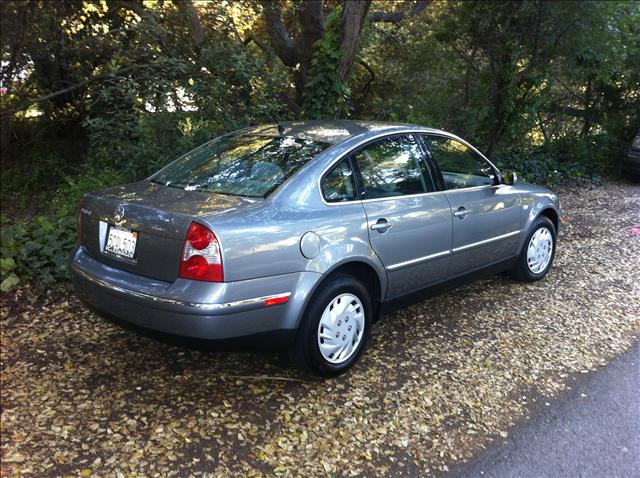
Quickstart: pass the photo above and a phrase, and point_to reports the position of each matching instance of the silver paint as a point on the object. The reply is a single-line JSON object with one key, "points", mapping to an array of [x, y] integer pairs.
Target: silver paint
{"points": [[310, 245], [262, 245]]}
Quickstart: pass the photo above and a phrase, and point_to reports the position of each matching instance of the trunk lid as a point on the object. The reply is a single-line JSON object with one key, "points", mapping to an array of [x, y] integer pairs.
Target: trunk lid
{"points": [[161, 217]]}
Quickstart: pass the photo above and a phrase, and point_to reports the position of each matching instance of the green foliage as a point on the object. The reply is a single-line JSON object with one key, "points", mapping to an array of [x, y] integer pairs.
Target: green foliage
{"points": [[549, 89], [325, 96], [514, 75], [74, 187], [23, 184], [562, 161], [36, 250]]}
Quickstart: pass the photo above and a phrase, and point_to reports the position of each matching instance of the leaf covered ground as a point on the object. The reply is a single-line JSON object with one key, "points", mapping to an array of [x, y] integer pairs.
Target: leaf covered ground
{"points": [[440, 381]]}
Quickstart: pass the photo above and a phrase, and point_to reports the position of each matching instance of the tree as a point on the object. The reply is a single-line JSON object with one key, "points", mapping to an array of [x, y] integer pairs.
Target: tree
{"points": [[298, 41]]}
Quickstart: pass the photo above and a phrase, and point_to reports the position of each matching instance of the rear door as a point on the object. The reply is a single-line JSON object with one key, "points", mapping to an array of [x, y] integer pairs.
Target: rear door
{"points": [[409, 221], [486, 214]]}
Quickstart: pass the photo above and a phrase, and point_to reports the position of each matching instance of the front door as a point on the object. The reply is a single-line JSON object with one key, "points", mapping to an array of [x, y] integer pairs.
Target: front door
{"points": [[486, 214], [409, 221]]}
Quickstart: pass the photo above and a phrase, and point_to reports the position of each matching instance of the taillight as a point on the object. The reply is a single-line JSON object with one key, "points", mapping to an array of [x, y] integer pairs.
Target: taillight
{"points": [[201, 257], [79, 221]]}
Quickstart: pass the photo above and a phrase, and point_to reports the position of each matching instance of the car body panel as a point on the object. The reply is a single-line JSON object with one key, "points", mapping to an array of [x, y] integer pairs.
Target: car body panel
{"points": [[631, 164], [416, 248], [161, 216], [489, 231], [261, 241], [535, 200], [197, 309]]}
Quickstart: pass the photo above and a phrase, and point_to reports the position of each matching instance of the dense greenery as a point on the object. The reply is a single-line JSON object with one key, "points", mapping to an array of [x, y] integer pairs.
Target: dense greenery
{"points": [[99, 92]]}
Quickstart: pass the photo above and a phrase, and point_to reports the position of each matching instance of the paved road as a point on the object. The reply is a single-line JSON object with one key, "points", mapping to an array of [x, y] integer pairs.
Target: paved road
{"points": [[593, 431]]}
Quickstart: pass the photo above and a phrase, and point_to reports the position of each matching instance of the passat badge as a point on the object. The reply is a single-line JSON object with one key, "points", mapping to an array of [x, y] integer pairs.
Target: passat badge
{"points": [[119, 214]]}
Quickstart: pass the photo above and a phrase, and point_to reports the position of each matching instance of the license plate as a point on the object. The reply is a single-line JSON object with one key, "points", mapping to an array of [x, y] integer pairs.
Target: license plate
{"points": [[121, 242]]}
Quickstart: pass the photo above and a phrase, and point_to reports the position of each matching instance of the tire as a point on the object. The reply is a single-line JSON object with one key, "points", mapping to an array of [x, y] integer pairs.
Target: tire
{"points": [[534, 270], [353, 326]]}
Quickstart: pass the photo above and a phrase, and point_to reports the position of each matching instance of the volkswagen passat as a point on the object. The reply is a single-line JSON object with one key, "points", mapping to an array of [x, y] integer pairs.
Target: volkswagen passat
{"points": [[298, 233]]}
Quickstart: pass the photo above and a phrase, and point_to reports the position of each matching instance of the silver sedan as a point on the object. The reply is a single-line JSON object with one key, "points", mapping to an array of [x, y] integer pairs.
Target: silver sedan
{"points": [[299, 234]]}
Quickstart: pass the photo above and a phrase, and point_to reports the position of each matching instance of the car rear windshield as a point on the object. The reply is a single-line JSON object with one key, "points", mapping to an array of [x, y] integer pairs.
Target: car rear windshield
{"points": [[242, 165]]}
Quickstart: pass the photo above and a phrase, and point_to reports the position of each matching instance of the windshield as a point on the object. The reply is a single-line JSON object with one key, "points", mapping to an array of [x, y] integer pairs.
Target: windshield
{"points": [[243, 165]]}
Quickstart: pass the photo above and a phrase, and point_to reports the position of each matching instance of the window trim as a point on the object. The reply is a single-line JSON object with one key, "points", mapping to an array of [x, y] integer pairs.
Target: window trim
{"points": [[434, 170], [417, 130], [356, 185], [421, 160], [498, 177]]}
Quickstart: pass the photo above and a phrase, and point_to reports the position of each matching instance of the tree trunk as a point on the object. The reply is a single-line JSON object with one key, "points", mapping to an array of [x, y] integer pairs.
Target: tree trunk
{"points": [[499, 110], [190, 13], [586, 127], [352, 19], [296, 50]]}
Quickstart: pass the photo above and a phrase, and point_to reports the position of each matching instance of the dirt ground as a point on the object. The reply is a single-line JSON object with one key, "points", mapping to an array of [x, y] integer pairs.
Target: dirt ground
{"points": [[441, 379]]}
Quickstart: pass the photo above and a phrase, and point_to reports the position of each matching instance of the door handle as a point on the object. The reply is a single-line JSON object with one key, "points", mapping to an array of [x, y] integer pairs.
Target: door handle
{"points": [[381, 225], [461, 213]]}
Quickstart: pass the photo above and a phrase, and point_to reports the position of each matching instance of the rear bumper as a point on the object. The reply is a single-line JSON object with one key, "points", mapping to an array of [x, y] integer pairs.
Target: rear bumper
{"points": [[203, 310]]}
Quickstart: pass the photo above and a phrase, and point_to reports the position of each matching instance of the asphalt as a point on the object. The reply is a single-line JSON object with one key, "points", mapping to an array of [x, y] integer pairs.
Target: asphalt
{"points": [[592, 431]]}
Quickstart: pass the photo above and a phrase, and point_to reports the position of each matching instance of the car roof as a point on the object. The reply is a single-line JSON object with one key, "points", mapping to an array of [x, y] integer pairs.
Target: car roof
{"points": [[328, 131]]}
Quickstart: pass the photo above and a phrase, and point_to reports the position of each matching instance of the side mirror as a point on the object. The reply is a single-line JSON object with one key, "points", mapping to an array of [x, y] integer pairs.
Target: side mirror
{"points": [[509, 178]]}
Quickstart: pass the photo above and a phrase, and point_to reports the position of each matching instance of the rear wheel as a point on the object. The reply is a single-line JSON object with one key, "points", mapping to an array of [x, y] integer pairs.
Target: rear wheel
{"points": [[538, 252], [334, 330]]}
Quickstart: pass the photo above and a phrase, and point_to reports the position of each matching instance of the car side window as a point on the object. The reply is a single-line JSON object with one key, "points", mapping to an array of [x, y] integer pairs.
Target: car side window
{"points": [[339, 184], [393, 167], [461, 167]]}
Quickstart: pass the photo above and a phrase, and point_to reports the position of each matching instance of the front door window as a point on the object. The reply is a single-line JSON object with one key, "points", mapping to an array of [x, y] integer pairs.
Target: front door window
{"points": [[461, 166]]}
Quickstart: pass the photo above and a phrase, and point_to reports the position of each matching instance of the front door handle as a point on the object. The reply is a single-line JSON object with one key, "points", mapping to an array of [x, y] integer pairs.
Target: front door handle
{"points": [[381, 225], [461, 213]]}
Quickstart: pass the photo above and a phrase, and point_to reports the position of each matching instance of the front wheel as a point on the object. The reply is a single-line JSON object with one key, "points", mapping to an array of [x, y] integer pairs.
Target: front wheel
{"points": [[538, 252], [334, 330]]}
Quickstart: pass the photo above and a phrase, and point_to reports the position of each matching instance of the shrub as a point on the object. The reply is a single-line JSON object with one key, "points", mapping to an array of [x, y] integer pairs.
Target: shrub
{"points": [[36, 250], [564, 160]]}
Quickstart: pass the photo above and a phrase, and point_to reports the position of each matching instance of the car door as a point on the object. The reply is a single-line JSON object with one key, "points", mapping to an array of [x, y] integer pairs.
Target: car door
{"points": [[486, 214], [409, 220]]}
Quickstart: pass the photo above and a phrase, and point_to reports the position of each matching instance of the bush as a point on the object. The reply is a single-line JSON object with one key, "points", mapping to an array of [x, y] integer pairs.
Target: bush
{"points": [[67, 196], [36, 250], [564, 160], [29, 183], [158, 139]]}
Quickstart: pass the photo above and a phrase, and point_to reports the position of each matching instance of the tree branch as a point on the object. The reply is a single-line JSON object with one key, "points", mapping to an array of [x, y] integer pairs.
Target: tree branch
{"points": [[24, 105], [191, 14], [142, 13], [281, 41], [311, 19], [372, 77], [257, 41], [399, 17]]}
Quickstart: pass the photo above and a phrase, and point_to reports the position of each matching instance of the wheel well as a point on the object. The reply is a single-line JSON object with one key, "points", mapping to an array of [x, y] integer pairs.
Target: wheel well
{"points": [[367, 275], [552, 215]]}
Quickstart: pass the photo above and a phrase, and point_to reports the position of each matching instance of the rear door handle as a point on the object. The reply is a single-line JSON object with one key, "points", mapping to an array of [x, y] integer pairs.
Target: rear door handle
{"points": [[461, 213], [381, 225]]}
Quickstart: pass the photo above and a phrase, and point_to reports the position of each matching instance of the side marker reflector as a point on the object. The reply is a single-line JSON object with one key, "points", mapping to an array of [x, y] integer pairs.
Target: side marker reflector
{"points": [[276, 300]]}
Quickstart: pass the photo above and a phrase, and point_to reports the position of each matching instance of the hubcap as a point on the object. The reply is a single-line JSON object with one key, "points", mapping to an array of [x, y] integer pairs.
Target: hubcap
{"points": [[540, 250], [340, 329]]}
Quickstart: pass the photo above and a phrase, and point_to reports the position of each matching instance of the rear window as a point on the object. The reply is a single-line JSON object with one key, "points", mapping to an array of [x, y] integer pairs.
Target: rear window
{"points": [[243, 165]]}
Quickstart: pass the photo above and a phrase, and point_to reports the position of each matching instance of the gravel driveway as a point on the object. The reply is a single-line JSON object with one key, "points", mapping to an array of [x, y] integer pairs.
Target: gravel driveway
{"points": [[441, 379]]}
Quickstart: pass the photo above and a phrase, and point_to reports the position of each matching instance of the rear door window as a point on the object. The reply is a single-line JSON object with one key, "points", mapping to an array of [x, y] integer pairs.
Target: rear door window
{"points": [[393, 167]]}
